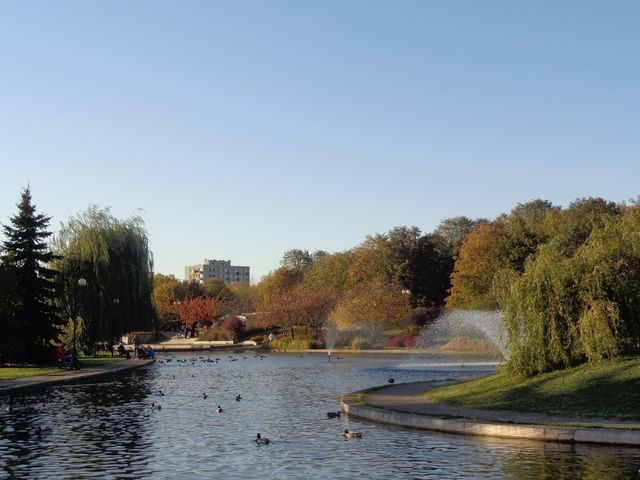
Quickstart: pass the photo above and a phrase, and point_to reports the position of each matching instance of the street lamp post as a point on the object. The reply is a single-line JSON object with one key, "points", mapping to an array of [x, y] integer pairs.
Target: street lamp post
{"points": [[74, 359], [116, 302]]}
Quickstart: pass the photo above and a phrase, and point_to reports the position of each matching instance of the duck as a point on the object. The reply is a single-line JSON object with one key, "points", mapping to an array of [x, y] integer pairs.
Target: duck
{"points": [[155, 406], [39, 431], [348, 434], [260, 440], [161, 393], [219, 409], [392, 380], [333, 414], [238, 398], [204, 395]]}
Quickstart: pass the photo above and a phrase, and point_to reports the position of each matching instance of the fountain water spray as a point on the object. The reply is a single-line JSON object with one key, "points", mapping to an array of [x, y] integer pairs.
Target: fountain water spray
{"points": [[330, 335], [465, 323]]}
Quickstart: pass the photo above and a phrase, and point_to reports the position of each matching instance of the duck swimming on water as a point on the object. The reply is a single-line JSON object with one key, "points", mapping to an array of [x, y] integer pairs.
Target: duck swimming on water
{"points": [[348, 434], [261, 441], [219, 409]]}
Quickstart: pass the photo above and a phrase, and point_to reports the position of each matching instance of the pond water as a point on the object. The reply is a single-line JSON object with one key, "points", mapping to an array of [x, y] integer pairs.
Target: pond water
{"points": [[107, 430]]}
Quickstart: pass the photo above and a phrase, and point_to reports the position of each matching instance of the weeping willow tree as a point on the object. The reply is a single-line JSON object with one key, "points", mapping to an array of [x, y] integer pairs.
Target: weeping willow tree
{"points": [[574, 304], [113, 256]]}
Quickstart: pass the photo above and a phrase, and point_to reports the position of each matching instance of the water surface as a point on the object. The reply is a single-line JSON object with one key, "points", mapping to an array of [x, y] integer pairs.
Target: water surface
{"points": [[107, 430]]}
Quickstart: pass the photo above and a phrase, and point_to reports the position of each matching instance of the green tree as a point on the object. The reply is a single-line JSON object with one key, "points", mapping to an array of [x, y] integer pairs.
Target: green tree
{"points": [[525, 231], [216, 288], [33, 319], [451, 231], [114, 257], [244, 297], [318, 255], [426, 273], [383, 255], [277, 282], [577, 222], [166, 289], [330, 271], [191, 289], [296, 259], [576, 303]]}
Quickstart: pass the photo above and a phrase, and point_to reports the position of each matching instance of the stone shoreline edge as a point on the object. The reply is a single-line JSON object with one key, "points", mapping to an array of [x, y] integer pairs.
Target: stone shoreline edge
{"points": [[26, 383], [353, 405]]}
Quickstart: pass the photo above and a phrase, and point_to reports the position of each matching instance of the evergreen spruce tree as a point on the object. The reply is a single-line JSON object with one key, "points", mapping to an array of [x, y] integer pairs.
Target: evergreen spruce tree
{"points": [[33, 321]]}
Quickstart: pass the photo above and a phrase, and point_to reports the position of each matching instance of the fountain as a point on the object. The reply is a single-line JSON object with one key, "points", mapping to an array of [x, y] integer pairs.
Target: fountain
{"points": [[473, 324], [330, 336]]}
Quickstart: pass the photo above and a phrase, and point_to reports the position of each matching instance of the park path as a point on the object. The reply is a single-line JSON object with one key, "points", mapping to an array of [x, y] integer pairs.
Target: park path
{"points": [[69, 376], [410, 398]]}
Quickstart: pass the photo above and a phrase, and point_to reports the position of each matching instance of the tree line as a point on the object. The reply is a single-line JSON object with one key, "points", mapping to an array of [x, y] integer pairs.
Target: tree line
{"points": [[566, 279], [391, 282], [42, 298]]}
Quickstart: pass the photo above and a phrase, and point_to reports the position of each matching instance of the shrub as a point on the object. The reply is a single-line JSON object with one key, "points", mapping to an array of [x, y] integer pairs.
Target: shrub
{"points": [[360, 343], [478, 346], [401, 341], [288, 343], [214, 334], [234, 327], [344, 338], [422, 316]]}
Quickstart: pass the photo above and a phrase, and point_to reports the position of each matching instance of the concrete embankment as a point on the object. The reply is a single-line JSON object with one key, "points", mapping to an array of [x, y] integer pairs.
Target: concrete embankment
{"points": [[404, 405], [72, 376]]}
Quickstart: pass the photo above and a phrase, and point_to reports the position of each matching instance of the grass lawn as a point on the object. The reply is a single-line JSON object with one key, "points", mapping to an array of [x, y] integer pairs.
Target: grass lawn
{"points": [[607, 390], [97, 361], [11, 373]]}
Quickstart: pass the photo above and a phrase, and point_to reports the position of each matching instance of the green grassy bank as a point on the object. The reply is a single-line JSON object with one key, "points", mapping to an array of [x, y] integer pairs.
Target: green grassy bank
{"points": [[12, 373], [607, 390]]}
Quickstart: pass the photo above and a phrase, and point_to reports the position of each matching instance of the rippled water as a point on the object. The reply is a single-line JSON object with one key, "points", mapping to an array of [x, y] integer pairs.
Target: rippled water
{"points": [[107, 430]]}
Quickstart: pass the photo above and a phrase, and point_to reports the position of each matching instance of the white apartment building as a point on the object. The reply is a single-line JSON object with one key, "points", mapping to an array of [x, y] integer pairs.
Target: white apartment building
{"points": [[220, 269]]}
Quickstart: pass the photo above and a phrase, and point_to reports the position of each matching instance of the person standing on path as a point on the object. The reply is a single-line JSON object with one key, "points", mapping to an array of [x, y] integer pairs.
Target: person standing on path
{"points": [[136, 345]]}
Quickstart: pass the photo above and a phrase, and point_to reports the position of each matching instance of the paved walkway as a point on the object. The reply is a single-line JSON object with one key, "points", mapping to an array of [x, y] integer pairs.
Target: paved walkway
{"points": [[410, 398], [69, 376]]}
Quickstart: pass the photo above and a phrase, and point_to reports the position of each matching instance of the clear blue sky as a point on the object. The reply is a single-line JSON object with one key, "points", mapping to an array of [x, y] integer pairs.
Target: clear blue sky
{"points": [[246, 128]]}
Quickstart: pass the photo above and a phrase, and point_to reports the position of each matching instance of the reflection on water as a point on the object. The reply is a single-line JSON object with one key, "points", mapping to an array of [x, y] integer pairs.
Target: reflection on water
{"points": [[107, 430]]}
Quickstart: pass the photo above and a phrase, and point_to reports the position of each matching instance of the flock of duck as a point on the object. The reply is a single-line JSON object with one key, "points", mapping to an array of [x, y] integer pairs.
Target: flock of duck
{"points": [[260, 440]]}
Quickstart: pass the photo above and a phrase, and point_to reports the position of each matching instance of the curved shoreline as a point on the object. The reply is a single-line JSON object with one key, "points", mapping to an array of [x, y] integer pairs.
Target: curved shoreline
{"points": [[378, 406], [71, 376]]}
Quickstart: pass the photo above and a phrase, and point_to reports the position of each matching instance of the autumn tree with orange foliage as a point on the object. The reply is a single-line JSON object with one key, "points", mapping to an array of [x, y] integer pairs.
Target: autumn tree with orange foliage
{"points": [[284, 308], [315, 307], [197, 310], [373, 307], [477, 263]]}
